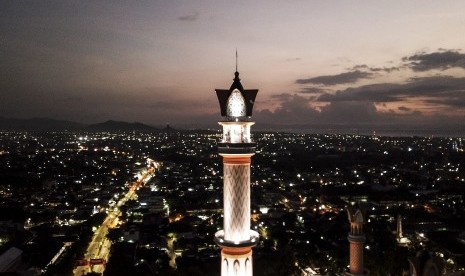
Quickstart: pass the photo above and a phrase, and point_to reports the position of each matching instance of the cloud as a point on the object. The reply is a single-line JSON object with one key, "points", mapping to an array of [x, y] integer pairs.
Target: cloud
{"points": [[189, 17], [442, 60], [454, 99], [385, 69], [297, 110], [296, 105], [293, 109], [350, 111], [312, 90], [381, 92], [403, 108], [348, 77], [359, 67], [446, 90], [282, 96], [375, 69]]}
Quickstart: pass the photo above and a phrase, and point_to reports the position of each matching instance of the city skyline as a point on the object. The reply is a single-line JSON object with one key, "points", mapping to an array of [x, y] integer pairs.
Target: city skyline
{"points": [[368, 64], [61, 184]]}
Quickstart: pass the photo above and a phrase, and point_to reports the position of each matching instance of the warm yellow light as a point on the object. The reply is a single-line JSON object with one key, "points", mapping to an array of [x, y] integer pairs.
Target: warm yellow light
{"points": [[236, 105]]}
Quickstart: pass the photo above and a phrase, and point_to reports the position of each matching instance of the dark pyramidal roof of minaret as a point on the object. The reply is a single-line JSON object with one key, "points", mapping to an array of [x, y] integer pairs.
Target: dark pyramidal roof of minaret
{"points": [[248, 94]]}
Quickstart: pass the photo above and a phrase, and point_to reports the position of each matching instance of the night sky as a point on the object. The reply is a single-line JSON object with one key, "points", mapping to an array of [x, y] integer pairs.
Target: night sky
{"points": [[375, 63]]}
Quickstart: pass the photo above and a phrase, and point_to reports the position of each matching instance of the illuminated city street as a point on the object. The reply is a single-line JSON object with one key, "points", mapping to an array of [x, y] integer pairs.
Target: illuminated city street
{"points": [[99, 248]]}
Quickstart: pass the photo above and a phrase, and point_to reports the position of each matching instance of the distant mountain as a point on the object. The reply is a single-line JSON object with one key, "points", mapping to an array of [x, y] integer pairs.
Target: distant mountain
{"points": [[45, 124], [118, 126], [38, 124]]}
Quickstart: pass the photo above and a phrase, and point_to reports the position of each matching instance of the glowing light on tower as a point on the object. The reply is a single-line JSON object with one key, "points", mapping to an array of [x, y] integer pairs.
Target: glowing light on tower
{"points": [[236, 148]]}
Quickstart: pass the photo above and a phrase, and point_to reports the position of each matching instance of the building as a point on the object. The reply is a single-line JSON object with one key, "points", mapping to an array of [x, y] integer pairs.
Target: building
{"points": [[236, 148]]}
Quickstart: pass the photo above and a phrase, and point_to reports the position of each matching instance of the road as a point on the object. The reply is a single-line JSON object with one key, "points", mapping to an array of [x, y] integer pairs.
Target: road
{"points": [[171, 253], [99, 247]]}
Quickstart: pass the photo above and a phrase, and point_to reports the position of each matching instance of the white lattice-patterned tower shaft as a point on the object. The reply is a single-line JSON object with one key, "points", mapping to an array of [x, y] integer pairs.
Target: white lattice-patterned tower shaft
{"points": [[236, 189], [236, 260], [236, 148]]}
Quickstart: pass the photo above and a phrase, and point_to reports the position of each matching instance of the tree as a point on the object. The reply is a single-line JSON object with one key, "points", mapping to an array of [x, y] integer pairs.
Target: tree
{"points": [[114, 234], [289, 219]]}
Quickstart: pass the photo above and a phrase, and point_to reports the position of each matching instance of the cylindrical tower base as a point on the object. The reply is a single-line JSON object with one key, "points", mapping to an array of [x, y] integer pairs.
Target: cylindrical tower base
{"points": [[356, 258], [356, 254], [236, 261]]}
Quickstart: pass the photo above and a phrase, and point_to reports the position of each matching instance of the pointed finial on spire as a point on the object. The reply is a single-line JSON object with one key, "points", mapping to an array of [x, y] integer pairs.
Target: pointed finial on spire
{"points": [[236, 59]]}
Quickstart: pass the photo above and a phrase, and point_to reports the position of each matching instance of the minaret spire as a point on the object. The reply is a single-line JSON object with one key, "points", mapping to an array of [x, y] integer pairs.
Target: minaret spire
{"points": [[236, 59]]}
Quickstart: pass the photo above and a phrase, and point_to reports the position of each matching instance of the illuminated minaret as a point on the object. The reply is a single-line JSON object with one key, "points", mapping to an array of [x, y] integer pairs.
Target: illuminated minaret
{"points": [[236, 147], [356, 239], [400, 235]]}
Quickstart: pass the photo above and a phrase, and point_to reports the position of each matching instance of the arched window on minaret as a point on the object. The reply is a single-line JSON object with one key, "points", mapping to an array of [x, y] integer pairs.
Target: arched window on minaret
{"points": [[236, 105], [248, 267], [237, 267]]}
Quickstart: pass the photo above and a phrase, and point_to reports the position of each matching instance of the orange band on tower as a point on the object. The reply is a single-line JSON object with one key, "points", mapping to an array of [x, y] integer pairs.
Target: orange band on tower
{"points": [[236, 160], [236, 250]]}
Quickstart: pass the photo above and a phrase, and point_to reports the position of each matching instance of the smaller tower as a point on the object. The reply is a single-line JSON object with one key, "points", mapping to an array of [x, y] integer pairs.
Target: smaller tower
{"points": [[400, 235], [356, 239], [401, 239]]}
